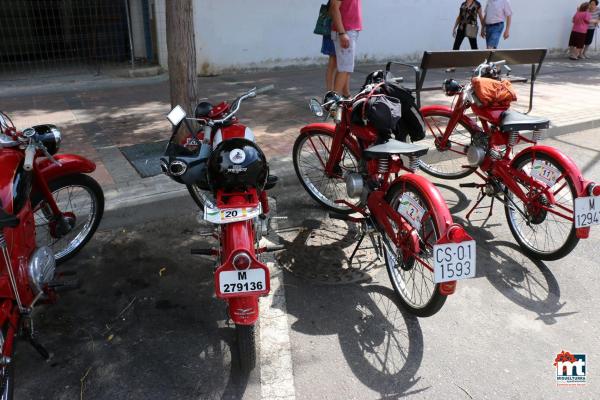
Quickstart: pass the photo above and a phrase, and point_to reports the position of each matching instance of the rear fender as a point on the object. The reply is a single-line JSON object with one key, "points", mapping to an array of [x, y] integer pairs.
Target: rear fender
{"points": [[69, 164], [329, 129], [447, 111]]}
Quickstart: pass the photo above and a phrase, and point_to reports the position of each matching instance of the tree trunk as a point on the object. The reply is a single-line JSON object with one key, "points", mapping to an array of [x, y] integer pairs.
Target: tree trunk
{"points": [[182, 53]]}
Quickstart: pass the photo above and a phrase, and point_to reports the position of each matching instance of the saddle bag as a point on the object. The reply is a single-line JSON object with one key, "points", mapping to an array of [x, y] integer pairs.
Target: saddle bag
{"points": [[494, 93]]}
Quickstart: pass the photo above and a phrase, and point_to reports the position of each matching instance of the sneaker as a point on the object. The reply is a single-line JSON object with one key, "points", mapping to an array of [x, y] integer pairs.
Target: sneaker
{"points": [[572, 58]]}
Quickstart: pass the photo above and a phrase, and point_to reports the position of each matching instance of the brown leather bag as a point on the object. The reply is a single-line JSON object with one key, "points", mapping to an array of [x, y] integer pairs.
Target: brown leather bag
{"points": [[494, 93]]}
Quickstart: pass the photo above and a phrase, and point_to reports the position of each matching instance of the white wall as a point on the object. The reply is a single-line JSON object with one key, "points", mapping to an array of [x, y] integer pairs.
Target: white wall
{"points": [[240, 34]]}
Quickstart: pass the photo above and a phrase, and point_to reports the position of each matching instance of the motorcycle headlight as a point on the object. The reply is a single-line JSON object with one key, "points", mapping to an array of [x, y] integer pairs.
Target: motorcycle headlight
{"points": [[50, 136]]}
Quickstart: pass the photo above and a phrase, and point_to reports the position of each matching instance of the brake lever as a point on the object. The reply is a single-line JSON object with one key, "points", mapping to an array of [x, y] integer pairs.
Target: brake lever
{"points": [[48, 155]]}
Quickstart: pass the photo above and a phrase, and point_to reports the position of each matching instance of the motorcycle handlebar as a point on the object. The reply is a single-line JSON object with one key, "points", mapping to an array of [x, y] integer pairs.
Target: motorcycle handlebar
{"points": [[237, 102]]}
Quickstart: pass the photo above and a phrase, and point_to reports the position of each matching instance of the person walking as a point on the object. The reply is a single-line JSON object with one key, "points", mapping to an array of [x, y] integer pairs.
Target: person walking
{"points": [[466, 24], [594, 10], [497, 14], [581, 20], [347, 23]]}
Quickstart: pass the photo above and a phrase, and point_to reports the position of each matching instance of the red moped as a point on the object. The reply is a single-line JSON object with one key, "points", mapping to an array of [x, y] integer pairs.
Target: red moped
{"points": [[49, 209], [228, 176], [548, 203]]}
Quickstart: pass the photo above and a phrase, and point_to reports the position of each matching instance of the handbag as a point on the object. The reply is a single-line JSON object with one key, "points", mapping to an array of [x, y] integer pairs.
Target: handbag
{"points": [[323, 25], [494, 93], [471, 31]]}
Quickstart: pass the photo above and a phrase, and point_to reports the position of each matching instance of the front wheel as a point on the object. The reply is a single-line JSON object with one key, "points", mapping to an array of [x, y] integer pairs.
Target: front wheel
{"points": [[7, 379], [81, 201], [446, 161], [542, 230], [246, 340], [311, 152], [413, 280]]}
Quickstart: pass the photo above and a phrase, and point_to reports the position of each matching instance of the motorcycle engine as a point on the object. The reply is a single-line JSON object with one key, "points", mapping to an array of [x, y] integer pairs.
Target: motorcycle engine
{"points": [[42, 266], [478, 149]]}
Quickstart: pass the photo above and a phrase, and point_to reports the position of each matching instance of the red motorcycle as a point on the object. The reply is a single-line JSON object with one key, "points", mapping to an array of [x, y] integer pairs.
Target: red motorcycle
{"points": [[228, 175], [548, 204], [351, 166], [49, 209]]}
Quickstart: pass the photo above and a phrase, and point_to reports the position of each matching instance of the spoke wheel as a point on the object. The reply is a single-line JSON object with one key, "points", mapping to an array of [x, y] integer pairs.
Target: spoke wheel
{"points": [[246, 340], [542, 234], [311, 152], [201, 197], [81, 200], [412, 280], [447, 161], [7, 384]]}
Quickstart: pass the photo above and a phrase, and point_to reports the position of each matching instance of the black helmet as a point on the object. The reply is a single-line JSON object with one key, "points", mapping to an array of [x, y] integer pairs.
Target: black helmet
{"points": [[451, 87], [237, 164], [203, 109]]}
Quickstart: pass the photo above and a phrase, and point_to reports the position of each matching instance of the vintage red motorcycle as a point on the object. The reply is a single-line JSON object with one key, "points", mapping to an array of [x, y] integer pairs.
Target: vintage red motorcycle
{"points": [[49, 209], [350, 167], [228, 176], [548, 204]]}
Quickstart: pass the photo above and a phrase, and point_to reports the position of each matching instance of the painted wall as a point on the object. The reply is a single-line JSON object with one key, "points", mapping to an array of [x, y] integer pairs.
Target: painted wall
{"points": [[241, 34]]}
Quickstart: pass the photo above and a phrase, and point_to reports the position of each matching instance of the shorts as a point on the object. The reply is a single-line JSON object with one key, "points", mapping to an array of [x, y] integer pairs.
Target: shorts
{"points": [[345, 57], [577, 39], [493, 33], [327, 48], [589, 37]]}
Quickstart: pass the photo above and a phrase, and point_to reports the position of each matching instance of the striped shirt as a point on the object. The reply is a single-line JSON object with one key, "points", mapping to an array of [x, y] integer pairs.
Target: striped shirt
{"points": [[595, 15]]}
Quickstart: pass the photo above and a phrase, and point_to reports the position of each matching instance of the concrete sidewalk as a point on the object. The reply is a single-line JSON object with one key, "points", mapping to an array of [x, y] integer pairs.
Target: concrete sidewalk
{"points": [[98, 119]]}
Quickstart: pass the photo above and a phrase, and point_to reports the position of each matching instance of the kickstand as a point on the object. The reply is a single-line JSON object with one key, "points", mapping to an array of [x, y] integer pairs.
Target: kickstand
{"points": [[479, 200], [377, 247], [362, 236]]}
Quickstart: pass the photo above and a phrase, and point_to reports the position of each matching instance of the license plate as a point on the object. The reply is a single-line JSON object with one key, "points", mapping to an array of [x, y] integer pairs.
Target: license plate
{"points": [[411, 210], [545, 173], [454, 261], [247, 281], [226, 215], [587, 211]]}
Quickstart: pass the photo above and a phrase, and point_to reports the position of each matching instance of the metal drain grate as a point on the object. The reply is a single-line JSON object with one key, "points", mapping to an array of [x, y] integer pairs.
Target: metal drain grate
{"points": [[144, 157]]}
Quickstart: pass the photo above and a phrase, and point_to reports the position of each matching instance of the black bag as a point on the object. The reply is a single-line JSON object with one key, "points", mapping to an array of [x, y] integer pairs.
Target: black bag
{"points": [[379, 111], [412, 123]]}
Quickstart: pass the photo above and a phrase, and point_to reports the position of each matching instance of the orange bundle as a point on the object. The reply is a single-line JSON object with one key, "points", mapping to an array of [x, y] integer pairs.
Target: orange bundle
{"points": [[494, 93]]}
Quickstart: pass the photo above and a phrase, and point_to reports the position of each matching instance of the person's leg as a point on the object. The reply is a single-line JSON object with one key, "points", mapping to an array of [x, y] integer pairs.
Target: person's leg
{"points": [[345, 64], [460, 36], [492, 35], [473, 43], [589, 38], [331, 72]]}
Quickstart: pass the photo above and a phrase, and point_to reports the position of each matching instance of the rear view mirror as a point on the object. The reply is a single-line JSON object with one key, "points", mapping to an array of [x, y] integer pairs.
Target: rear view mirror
{"points": [[315, 107], [176, 115]]}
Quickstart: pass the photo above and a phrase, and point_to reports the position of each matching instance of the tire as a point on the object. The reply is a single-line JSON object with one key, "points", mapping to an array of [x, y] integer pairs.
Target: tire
{"points": [[309, 169], [199, 196], [563, 238], [443, 163], [69, 192], [246, 346], [419, 275], [7, 377]]}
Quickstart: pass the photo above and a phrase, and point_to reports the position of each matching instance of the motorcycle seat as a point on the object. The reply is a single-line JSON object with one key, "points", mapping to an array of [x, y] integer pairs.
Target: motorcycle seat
{"points": [[513, 121], [7, 220], [393, 146]]}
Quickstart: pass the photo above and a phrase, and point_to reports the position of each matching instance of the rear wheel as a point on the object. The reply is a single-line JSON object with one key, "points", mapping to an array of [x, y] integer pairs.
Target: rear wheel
{"points": [[413, 280], [448, 161], [201, 197], [310, 153], [246, 340], [6, 372], [542, 234], [81, 200]]}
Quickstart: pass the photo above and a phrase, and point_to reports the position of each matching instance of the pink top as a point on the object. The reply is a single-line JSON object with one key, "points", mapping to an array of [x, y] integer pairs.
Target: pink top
{"points": [[581, 20], [351, 11]]}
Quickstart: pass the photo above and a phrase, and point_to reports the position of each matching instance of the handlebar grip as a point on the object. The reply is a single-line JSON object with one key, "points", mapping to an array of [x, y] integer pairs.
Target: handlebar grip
{"points": [[29, 155], [264, 89]]}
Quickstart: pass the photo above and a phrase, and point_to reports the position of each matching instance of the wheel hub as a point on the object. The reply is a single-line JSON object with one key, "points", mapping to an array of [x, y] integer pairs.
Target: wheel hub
{"points": [[537, 214], [62, 225]]}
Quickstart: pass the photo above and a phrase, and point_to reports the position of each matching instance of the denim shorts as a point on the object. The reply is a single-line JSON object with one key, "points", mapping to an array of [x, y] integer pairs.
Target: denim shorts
{"points": [[493, 33], [327, 48]]}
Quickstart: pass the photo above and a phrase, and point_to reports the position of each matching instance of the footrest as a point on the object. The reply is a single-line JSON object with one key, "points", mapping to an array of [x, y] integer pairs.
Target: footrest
{"points": [[203, 252], [470, 185], [64, 285]]}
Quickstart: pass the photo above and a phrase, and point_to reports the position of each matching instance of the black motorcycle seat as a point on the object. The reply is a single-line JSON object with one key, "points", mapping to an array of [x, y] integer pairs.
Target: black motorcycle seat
{"points": [[7, 220], [513, 121], [393, 146]]}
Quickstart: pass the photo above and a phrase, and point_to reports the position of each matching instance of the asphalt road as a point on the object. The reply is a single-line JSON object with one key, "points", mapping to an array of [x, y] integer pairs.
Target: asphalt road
{"points": [[134, 332]]}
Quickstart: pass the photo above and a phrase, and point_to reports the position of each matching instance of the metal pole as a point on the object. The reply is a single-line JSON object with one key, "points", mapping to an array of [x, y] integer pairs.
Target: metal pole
{"points": [[131, 51]]}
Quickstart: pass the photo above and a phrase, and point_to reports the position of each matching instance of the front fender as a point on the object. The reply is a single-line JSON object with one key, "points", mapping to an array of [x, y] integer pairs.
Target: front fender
{"points": [[433, 196], [437, 109], [69, 164], [329, 129], [565, 161]]}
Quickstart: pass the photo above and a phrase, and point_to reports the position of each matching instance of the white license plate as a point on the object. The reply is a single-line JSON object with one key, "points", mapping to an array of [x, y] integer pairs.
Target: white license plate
{"points": [[247, 281], [411, 210], [227, 215], [454, 261], [544, 172], [587, 211]]}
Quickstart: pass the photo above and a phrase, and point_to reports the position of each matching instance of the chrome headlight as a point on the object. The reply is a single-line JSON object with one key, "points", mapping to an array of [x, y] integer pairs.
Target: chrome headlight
{"points": [[41, 268]]}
